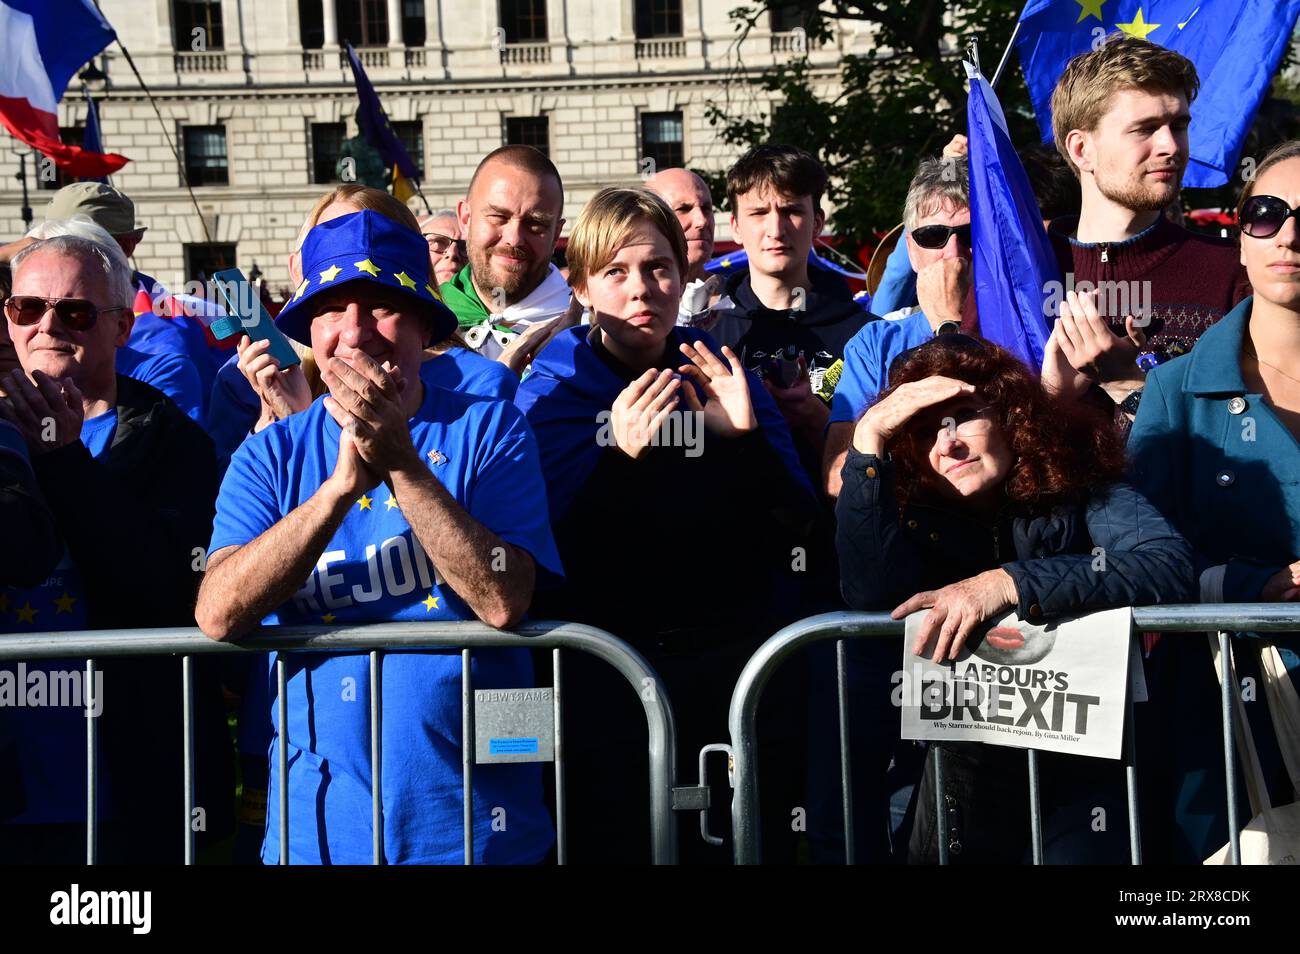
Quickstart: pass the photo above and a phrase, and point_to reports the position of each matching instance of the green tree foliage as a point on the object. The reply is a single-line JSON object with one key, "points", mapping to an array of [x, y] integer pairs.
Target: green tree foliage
{"points": [[890, 107]]}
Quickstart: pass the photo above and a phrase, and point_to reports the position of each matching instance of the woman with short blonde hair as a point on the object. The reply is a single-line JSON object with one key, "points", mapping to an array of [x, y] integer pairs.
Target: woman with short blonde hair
{"points": [[677, 501]]}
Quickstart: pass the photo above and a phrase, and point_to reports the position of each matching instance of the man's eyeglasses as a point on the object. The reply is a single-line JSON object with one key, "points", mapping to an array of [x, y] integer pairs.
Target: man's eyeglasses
{"points": [[441, 243], [1264, 215], [76, 313], [936, 236]]}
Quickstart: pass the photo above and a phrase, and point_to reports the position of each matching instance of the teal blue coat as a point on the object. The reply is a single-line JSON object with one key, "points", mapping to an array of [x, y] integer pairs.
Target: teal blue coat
{"points": [[1225, 471]]}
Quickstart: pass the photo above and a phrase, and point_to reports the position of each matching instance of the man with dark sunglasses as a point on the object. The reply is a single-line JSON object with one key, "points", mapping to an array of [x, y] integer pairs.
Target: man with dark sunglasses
{"points": [[131, 481], [1120, 116], [937, 217]]}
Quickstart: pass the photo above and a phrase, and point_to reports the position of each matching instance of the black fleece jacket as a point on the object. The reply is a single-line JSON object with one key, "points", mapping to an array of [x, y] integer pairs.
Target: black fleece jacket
{"points": [[137, 522]]}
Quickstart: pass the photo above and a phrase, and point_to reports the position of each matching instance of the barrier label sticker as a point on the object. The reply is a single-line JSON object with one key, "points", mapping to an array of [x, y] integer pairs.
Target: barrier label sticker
{"points": [[514, 725], [512, 746]]}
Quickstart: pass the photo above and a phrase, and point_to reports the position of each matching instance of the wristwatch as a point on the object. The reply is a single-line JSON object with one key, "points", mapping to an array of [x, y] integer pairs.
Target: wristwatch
{"points": [[1130, 404]]}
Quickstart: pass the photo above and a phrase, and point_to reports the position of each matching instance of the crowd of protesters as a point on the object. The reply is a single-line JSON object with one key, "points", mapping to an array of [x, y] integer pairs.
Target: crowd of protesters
{"points": [[469, 432]]}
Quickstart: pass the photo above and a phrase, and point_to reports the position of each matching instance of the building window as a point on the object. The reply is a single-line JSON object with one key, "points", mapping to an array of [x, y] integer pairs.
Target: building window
{"points": [[524, 20], [661, 139], [202, 261], [363, 22], [655, 18], [529, 131], [311, 23], [786, 17], [413, 27], [69, 136], [326, 144], [191, 15], [205, 155], [411, 136]]}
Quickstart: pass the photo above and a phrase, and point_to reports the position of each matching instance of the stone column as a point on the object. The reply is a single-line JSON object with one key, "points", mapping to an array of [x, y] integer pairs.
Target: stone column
{"points": [[331, 21], [395, 26]]}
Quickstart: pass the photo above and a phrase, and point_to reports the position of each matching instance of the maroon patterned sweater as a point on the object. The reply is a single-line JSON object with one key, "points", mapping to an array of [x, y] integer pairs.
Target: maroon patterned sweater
{"points": [[1195, 279]]}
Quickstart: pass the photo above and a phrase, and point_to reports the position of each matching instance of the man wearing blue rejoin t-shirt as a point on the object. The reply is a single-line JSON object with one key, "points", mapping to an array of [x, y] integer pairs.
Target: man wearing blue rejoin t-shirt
{"points": [[388, 499]]}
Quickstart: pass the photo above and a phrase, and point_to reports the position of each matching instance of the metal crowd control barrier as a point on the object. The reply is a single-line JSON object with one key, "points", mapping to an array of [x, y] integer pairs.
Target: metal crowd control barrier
{"points": [[1222, 618], [466, 636]]}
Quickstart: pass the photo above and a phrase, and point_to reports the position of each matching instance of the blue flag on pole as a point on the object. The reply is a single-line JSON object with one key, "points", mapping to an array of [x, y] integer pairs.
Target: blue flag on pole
{"points": [[1235, 44], [1013, 260], [90, 135], [379, 134]]}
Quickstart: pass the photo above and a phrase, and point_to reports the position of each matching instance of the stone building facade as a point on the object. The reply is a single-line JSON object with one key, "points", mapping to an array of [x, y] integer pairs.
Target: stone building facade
{"points": [[256, 97]]}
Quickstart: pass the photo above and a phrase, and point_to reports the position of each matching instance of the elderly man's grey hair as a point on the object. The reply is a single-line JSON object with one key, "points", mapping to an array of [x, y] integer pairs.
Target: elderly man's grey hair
{"points": [[938, 182], [78, 238]]}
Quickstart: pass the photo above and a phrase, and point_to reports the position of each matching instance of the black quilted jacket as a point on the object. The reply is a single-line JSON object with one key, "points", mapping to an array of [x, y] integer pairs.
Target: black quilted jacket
{"points": [[1116, 550]]}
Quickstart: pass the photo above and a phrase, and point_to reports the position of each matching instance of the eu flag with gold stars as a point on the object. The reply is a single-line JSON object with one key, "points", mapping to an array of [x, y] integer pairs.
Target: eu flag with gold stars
{"points": [[1235, 44], [377, 131]]}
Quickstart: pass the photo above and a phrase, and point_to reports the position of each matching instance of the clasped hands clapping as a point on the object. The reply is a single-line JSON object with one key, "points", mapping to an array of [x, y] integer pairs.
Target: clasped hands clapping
{"points": [[1083, 351]]}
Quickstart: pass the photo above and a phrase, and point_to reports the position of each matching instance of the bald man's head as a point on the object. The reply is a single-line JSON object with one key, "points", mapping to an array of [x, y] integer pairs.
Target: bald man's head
{"points": [[688, 196], [510, 221]]}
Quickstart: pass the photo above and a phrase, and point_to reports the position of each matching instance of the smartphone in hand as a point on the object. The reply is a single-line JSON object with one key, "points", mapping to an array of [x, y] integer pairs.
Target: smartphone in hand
{"points": [[246, 316]]}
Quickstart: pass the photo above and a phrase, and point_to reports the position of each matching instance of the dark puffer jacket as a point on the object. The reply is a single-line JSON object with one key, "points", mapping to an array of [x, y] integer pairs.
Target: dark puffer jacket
{"points": [[884, 560]]}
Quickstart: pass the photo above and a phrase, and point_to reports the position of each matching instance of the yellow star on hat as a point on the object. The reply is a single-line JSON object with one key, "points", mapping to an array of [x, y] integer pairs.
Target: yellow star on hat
{"points": [[406, 280], [429, 289], [367, 266], [330, 274], [301, 288]]}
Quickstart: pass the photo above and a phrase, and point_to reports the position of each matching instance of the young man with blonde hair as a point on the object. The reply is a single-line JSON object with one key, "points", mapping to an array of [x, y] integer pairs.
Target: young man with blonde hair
{"points": [[1120, 115]]}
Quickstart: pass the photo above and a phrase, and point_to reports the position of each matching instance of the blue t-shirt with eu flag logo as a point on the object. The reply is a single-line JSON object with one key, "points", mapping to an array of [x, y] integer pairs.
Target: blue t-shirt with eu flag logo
{"points": [[374, 570]]}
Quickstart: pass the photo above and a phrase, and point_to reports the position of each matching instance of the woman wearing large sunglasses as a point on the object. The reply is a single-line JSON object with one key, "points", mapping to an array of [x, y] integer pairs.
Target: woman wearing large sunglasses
{"points": [[1215, 447], [969, 491]]}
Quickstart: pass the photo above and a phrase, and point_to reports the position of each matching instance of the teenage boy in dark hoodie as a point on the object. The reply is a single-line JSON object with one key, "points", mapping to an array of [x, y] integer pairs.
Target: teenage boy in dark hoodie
{"points": [[788, 324]]}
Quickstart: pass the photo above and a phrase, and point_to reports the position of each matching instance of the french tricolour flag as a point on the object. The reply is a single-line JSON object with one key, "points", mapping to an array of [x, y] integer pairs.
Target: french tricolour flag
{"points": [[42, 45]]}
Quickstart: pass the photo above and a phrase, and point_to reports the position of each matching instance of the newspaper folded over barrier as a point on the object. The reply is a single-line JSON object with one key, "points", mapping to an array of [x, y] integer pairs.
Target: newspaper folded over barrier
{"points": [[1058, 687]]}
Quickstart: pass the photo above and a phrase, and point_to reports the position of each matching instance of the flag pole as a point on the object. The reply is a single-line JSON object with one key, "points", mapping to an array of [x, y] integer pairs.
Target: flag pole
{"points": [[1006, 54], [207, 236], [415, 184]]}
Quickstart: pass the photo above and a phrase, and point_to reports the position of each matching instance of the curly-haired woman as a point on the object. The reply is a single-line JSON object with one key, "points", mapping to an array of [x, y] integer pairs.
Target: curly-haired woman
{"points": [[969, 491]]}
